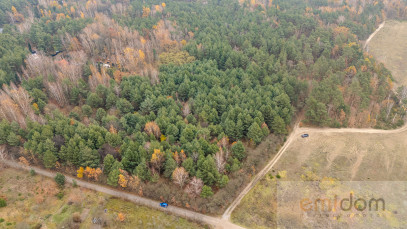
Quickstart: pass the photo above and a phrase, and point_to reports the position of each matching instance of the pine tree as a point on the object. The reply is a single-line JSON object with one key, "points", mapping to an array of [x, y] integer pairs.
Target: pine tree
{"points": [[206, 192], [124, 106], [255, 133], [49, 158], [90, 158], [278, 125], [238, 150], [131, 157], [113, 177], [207, 171], [188, 164], [170, 165], [142, 171], [13, 139], [223, 181], [108, 162]]}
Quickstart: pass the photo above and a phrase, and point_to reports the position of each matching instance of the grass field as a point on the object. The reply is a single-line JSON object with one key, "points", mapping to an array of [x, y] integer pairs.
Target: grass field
{"points": [[389, 46], [342, 156], [32, 203]]}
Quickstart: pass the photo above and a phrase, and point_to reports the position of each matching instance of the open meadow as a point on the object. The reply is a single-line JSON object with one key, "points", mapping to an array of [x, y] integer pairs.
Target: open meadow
{"points": [[389, 47], [322, 156]]}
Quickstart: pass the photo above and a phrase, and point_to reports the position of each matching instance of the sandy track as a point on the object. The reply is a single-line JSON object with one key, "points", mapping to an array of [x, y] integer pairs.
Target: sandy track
{"points": [[374, 34], [224, 221], [214, 221], [294, 134]]}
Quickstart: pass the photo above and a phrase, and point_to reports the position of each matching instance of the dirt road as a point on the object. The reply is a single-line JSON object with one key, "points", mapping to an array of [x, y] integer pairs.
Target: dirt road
{"points": [[295, 134], [223, 222], [214, 221], [373, 34]]}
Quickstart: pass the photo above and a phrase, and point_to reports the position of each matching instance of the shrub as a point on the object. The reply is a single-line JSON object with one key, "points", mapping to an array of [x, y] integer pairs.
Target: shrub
{"points": [[60, 195], [60, 179], [32, 172], [86, 110], [2, 203], [206, 191]]}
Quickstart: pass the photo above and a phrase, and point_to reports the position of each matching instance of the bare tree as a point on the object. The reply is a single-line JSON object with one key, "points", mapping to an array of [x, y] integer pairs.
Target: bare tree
{"points": [[186, 110], [194, 187], [220, 160], [180, 176]]}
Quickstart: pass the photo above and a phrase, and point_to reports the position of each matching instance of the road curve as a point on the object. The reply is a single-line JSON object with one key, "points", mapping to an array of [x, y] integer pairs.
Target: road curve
{"points": [[214, 221], [226, 215], [224, 221], [295, 133]]}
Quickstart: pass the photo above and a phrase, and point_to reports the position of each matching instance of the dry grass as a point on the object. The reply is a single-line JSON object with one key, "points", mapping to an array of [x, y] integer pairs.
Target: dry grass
{"points": [[343, 156], [389, 46], [31, 202]]}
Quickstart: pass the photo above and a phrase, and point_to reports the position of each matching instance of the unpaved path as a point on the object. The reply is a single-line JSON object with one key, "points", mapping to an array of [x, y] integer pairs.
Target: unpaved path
{"points": [[294, 134], [223, 222], [214, 221], [374, 34]]}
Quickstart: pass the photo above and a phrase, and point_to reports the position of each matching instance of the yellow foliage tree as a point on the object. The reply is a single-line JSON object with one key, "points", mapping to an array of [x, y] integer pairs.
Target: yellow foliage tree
{"points": [[35, 106], [163, 4], [146, 11], [157, 159], [163, 138], [14, 10], [141, 54], [122, 181], [80, 172], [142, 40]]}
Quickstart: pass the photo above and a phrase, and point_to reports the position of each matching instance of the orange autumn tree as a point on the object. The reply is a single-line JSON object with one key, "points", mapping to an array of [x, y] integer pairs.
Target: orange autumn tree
{"points": [[152, 128], [179, 157], [123, 180], [121, 217], [92, 173], [24, 161]]}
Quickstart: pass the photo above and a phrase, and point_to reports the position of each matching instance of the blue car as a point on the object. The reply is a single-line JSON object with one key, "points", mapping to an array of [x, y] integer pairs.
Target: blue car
{"points": [[164, 205], [305, 136]]}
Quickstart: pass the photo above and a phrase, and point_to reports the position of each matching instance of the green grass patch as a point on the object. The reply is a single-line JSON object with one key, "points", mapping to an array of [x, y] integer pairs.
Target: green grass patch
{"points": [[143, 217]]}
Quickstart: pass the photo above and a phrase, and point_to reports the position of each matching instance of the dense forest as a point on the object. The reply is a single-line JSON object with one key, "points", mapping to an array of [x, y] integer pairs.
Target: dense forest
{"points": [[159, 97]]}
